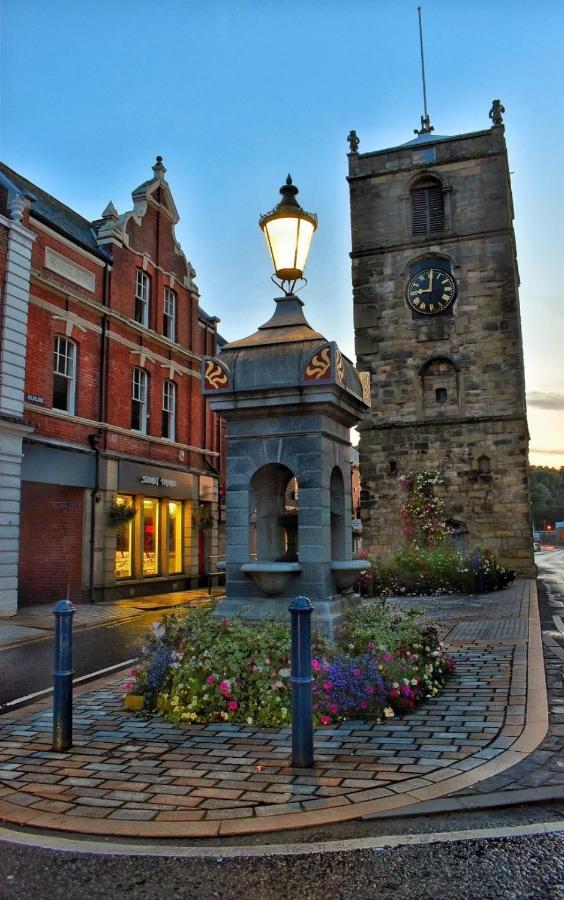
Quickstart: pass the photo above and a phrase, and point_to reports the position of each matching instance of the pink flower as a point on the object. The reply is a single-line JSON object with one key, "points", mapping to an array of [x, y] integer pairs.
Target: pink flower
{"points": [[224, 687], [369, 690], [387, 657], [371, 645], [327, 686], [334, 709], [325, 720], [128, 686], [315, 665], [233, 704], [133, 672], [210, 679], [364, 704], [394, 692]]}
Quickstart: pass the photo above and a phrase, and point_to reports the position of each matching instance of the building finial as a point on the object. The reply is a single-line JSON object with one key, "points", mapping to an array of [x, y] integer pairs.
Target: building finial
{"points": [[496, 111], [353, 140], [426, 127], [158, 168], [110, 212]]}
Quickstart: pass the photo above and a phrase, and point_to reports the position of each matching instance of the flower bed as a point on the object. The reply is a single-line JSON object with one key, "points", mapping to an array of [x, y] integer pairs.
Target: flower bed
{"points": [[196, 668], [441, 570]]}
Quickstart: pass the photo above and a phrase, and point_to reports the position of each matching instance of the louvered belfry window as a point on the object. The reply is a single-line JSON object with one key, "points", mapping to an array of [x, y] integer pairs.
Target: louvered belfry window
{"points": [[427, 207]]}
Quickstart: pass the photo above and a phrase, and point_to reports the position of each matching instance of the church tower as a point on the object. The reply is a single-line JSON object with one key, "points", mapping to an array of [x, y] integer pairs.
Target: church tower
{"points": [[437, 326]]}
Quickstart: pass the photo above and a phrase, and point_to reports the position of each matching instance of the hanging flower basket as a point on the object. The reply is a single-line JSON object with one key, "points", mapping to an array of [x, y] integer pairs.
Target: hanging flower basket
{"points": [[202, 518], [120, 514]]}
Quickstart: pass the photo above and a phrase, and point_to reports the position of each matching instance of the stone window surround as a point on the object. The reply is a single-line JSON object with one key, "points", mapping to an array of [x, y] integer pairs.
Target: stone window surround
{"points": [[66, 366], [406, 205], [140, 395], [142, 297]]}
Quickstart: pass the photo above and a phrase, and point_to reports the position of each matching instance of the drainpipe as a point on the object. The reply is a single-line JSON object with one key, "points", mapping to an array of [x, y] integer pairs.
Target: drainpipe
{"points": [[95, 440]]}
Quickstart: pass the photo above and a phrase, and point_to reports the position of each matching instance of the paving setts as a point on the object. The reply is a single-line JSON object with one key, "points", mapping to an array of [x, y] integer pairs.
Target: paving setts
{"points": [[128, 774]]}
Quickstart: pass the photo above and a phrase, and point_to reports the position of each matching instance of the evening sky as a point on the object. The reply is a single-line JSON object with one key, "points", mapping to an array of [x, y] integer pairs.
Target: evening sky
{"points": [[235, 95]]}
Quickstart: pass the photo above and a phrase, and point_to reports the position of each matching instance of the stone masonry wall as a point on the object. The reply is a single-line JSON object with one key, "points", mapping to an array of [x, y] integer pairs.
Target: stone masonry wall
{"points": [[474, 351]]}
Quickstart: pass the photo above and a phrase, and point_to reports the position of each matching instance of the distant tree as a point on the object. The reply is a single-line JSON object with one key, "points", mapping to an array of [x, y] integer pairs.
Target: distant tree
{"points": [[547, 495]]}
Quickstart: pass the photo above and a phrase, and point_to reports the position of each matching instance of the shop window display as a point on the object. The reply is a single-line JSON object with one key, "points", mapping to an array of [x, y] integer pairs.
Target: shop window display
{"points": [[124, 538], [150, 537], [174, 537]]}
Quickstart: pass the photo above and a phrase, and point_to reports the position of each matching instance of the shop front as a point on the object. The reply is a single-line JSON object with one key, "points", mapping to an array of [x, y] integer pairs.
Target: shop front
{"points": [[157, 518]]}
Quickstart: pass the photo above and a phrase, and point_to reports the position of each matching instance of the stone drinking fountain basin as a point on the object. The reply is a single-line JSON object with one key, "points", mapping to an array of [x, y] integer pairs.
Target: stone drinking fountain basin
{"points": [[348, 571], [272, 578]]}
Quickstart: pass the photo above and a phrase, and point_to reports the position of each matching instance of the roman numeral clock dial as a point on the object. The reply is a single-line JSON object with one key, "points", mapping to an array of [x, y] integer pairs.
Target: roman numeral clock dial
{"points": [[431, 291]]}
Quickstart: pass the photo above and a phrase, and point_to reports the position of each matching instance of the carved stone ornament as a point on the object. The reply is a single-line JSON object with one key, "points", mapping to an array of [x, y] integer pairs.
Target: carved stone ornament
{"points": [[216, 376], [354, 141], [319, 366], [496, 111], [339, 367], [365, 383]]}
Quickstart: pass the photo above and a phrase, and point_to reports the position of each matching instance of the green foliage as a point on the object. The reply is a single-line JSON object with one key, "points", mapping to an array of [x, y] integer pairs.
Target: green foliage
{"points": [[197, 668], [438, 571], [422, 514], [547, 495]]}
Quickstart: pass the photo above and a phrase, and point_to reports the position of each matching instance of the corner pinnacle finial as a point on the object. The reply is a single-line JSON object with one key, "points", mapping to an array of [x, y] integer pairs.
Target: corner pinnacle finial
{"points": [[496, 111], [353, 140], [158, 168], [289, 179], [426, 127]]}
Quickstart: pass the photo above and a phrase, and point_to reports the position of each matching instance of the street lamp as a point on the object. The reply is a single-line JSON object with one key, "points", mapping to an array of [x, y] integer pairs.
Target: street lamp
{"points": [[288, 231]]}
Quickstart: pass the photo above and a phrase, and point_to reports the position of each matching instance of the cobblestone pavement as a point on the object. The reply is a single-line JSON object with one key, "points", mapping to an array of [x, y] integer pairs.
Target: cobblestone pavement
{"points": [[133, 775]]}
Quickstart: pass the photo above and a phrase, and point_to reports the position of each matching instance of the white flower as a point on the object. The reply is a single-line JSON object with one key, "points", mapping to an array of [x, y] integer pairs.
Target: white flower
{"points": [[388, 712], [284, 673]]}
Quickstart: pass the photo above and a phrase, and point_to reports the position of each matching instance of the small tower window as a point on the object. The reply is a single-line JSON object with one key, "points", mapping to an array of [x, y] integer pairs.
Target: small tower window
{"points": [[441, 395], [392, 468], [484, 466], [427, 207]]}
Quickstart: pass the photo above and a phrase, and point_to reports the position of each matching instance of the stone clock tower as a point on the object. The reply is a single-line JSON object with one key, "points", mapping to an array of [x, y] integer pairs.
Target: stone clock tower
{"points": [[436, 313]]}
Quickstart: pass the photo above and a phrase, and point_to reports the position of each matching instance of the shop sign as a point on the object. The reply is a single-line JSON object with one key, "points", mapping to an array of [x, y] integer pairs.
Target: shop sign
{"points": [[33, 398], [153, 481], [157, 481]]}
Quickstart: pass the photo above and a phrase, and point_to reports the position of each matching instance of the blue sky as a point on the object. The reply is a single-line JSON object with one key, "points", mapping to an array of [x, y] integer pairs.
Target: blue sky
{"points": [[235, 95]]}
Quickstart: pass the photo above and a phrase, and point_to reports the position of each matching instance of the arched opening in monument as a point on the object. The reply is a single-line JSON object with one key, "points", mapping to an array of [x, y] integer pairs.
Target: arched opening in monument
{"points": [[458, 535], [338, 518], [273, 515]]}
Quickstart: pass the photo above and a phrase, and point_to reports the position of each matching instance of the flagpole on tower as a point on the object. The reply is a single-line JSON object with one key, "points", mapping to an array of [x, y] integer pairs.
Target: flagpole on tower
{"points": [[426, 127]]}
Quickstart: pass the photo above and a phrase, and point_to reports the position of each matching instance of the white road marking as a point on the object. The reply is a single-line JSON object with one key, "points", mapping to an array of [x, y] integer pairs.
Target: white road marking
{"points": [[141, 848], [90, 676]]}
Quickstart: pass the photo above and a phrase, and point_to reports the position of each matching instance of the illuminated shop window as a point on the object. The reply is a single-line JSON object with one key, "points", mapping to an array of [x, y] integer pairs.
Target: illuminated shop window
{"points": [[150, 537], [174, 536], [124, 538]]}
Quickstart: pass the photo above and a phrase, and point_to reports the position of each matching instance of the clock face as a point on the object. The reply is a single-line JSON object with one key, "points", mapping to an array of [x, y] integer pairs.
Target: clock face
{"points": [[431, 291]]}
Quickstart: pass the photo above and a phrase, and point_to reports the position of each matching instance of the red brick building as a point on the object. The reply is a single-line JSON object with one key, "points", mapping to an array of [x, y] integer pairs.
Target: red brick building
{"points": [[120, 459]]}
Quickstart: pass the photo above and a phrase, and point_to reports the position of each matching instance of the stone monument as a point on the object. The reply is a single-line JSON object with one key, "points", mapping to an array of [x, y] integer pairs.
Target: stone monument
{"points": [[289, 398]]}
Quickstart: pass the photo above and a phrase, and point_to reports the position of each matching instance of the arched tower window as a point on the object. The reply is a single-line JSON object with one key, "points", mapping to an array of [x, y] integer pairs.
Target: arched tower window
{"points": [[427, 206]]}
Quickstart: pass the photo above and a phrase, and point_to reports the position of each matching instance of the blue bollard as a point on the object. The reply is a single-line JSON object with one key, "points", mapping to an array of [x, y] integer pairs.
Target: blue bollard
{"points": [[301, 681], [62, 676]]}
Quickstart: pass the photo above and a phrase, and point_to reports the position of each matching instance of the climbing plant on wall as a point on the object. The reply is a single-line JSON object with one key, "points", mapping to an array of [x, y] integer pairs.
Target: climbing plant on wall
{"points": [[422, 513]]}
